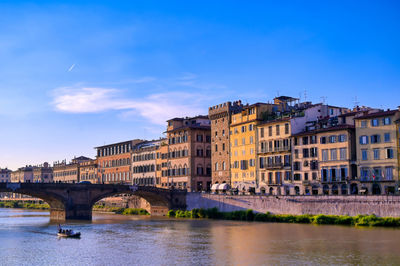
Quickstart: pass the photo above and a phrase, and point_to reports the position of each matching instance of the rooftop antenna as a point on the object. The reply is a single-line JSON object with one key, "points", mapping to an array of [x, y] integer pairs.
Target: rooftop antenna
{"points": [[305, 95], [323, 98], [356, 102]]}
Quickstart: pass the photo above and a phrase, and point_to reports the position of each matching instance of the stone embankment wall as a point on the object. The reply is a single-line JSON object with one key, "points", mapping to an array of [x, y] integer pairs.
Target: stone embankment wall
{"points": [[335, 205]]}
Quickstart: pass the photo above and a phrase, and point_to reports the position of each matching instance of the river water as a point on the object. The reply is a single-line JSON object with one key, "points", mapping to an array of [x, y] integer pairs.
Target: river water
{"points": [[28, 238]]}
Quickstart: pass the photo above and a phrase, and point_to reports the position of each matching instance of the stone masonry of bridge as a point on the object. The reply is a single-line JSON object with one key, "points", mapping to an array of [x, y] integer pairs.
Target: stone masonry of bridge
{"points": [[75, 201], [384, 206]]}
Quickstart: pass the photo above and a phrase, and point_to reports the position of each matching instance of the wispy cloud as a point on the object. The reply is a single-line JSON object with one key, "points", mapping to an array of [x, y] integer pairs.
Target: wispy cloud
{"points": [[157, 108]]}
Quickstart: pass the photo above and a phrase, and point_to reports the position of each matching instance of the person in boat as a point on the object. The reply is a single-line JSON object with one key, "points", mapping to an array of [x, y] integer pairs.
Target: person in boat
{"points": [[59, 228]]}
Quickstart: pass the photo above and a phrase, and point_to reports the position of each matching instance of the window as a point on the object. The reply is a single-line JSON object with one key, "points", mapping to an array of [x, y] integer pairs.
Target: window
{"points": [[364, 155], [375, 138], [287, 175], [261, 132], [313, 139], [287, 128], [297, 177], [389, 173], [223, 146], [374, 122], [296, 154], [296, 166], [342, 138], [251, 127], [389, 153], [216, 166], [386, 121], [243, 141], [387, 137], [363, 140], [332, 139], [252, 162], [277, 130], [251, 139], [324, 155], [223, 166], [243, 164], [270, 131], [333, 154], [216, 133], [305, 140], [314, 165], [324, 174], [323, 140], [306, 153], [243, 129], [223, 132], [236, 142], [343, 154], [376, 154], [364, 124], [313, 152], [199, 138], [216, 147]]}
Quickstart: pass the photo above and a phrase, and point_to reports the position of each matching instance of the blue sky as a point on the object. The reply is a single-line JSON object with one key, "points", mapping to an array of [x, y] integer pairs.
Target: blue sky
{"points": [[79, 74]]}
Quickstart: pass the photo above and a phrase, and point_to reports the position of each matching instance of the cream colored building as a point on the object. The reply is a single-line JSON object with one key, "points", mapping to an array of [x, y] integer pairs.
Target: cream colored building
{"points": [[274, 155], [377, 156]]}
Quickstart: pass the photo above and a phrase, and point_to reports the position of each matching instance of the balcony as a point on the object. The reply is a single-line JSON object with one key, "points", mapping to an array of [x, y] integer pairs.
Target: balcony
{"points": [[376, 179], [274, 150], [274, 166], [334, 179]]}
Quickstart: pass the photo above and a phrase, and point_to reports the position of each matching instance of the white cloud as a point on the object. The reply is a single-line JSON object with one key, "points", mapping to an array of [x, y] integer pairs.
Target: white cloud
{"points": [[157, 108]]}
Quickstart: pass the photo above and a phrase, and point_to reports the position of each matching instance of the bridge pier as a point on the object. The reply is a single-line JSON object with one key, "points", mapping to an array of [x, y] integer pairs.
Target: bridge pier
{"points": [[74, 212]]}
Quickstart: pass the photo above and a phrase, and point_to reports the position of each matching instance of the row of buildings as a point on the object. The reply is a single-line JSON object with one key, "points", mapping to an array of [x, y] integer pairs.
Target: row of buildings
{"points": [[286, 147]]}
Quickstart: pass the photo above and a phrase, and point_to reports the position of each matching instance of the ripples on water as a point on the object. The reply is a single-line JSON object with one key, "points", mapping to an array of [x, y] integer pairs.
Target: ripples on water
{"points": [[28, 238]]}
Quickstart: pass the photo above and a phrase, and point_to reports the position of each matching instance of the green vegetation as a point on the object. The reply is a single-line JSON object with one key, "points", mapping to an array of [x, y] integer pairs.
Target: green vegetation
{"points": [[24, 205], [249, 215], [120, 210]]}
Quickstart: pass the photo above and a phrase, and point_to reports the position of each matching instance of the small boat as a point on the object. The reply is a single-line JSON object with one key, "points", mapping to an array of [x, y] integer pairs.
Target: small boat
{"points": [[69, 233]]}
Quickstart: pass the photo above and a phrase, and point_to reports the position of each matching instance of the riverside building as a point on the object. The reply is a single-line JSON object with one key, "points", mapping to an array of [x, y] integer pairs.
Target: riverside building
{"points": [[22, 175], [88, 171], [114, 162], [243, 145], [189, 153], [68, 172], [162, 165], [220, 118], [43, 173], [5, 175], [274, 155], [144, 163], [377, 156]]}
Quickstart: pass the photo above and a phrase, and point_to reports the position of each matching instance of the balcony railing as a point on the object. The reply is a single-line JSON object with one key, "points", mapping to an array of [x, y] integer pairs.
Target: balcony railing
{"points": [[274, 149]]}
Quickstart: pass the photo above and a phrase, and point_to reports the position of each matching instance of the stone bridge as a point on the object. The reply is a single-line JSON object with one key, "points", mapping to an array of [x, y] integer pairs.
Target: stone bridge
{"points": [[75, 201]]}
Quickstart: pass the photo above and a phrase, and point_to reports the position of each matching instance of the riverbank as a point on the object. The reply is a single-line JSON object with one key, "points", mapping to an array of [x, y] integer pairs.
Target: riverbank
{"points": [[24, 205], [120, 210], [249, 215]]}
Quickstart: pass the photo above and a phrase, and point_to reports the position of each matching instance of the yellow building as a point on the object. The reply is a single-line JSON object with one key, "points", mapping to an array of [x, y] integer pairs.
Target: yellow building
{"points": [[274, 155], [377, 156], [243, 145]]}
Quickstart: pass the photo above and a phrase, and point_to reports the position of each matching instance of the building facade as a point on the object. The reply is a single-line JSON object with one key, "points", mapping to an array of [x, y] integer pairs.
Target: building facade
{"points": [[22, 175], [114, 162], [189, 153], [220, 118], [162, 165], [43, 173], [274, 155], [88, 171], [144, 164], [5, 175], [243, 145], [377, 156], [64, 172]]}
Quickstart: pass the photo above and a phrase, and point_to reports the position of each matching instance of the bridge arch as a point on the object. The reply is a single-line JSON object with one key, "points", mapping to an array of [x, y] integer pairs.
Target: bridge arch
{"points": [[75, 201]]}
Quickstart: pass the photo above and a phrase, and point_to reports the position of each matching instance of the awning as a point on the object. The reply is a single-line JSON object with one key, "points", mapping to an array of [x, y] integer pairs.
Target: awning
{"points": [[363, 190], [214, 187], [223, 186]]}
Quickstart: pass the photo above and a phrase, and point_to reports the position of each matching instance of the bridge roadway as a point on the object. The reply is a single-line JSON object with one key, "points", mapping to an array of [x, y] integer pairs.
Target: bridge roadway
{"points": [[75, 201]]}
